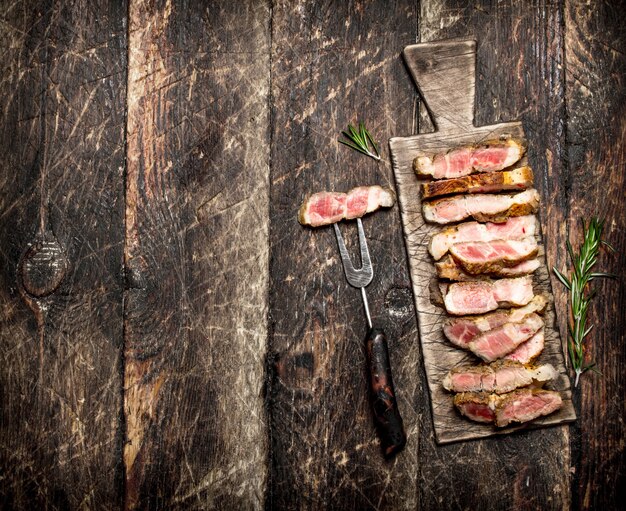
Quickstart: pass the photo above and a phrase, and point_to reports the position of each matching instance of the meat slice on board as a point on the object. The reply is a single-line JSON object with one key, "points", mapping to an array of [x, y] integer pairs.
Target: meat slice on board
{"points": [[447, 268], [502, 340], [490, 156], [481, 207], [507, 180], [499, 377], [514, 228], [477, 257], [521, 405], [462, 298], [460, 331]]}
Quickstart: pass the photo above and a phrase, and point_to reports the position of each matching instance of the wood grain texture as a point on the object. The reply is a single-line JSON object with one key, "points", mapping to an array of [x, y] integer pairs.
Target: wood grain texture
{"points": [[196, 254], [62, 81], [595, 48], [437, 67], [519, 76], [335, 63]]}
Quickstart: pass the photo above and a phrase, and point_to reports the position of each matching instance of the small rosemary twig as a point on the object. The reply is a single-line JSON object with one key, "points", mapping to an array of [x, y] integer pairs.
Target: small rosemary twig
{"points": [[581, 276], [360, 141]]}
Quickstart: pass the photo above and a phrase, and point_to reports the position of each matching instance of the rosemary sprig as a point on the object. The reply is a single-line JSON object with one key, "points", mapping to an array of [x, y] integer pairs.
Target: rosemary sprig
{"points": [[360, 140], [581, 276]]}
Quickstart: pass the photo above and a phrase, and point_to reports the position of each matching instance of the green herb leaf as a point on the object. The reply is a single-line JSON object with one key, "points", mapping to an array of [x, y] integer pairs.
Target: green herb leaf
{"points": [[580, 296], [360, 140]]}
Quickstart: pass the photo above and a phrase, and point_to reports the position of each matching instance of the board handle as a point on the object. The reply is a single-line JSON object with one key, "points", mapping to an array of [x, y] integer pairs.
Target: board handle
{"points": [[445, 74]]}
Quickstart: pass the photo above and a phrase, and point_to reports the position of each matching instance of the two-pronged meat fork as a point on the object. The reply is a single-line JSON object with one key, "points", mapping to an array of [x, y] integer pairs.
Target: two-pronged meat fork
{"points": [[382, 394]]}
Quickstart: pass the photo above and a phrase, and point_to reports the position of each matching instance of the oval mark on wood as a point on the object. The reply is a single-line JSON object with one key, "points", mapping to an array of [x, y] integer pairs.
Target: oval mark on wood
{"points": [[43, 266]]}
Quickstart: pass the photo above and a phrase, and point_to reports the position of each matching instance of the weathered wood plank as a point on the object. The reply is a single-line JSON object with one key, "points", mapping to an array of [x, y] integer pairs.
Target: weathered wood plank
{"points": [[437, 68], [595, 48], [519, 76], [62, 81], [335, 63], [196, 254]]}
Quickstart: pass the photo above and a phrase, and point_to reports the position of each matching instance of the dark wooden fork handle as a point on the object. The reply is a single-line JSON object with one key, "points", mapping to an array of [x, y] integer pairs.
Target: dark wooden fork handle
{"points": [[382, 394]]}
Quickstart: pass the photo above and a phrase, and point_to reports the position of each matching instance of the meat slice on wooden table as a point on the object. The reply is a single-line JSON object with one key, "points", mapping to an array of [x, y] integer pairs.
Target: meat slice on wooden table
{"points": [[490, 156], [501, 341], [500, 377], [481, 207], [463, 298], [477, 257], [324, 208], [521, 405], [461, 331], [516, 179], [448, 268], [514, 228], [528, 351]]}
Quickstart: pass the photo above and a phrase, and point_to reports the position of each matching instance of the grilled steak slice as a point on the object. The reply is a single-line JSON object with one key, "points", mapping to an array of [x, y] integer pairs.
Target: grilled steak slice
{"points": [[514, 228], [477, 257], [461, 331], [489, 156], [521, 405], [325, 208], [481, 207], [478, 406], [528, 350], [525, 405], [517, 179], [502, 340], [499, 377], [449, 269], [478, 297]]}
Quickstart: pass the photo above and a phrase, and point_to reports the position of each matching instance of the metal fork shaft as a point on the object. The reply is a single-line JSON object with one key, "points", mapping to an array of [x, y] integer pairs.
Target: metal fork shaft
{"points": [[367, 307]]}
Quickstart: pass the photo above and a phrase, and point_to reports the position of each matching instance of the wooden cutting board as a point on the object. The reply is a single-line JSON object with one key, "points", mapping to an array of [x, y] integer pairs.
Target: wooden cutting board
{"points": [[445, 75]]}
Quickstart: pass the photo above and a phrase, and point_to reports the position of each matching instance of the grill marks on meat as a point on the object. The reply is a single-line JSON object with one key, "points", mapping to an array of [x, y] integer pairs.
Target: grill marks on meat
{"points": [[512, 229], [477, 257], [521, 405], [490, 156], [481, 207], [449, 269], [462, 298], [499, 377], [461, 331], [501, 341], [517, 179], [324, 208]]}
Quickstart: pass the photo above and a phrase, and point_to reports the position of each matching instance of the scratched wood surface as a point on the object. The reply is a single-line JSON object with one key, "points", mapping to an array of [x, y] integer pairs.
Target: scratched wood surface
{"points": [[171, 338], [435, 67], [196, 255], [333, 64], [61, 254]]}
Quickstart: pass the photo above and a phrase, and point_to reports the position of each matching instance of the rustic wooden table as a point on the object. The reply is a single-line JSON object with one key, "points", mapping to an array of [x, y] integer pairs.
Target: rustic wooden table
{"points": [[172, 338]]}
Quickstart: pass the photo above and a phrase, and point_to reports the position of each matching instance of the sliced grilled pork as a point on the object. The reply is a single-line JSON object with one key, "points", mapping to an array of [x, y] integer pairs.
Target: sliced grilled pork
{"points": [[477, 257], [517, 179], [501, 341], [499, 377], [478, 297], [514, 228], [528, 350], [325, 208], [449, 269], [521, 405], [478, 406], [489, 156], [525, 405], [481, 207], [460, 331]]}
